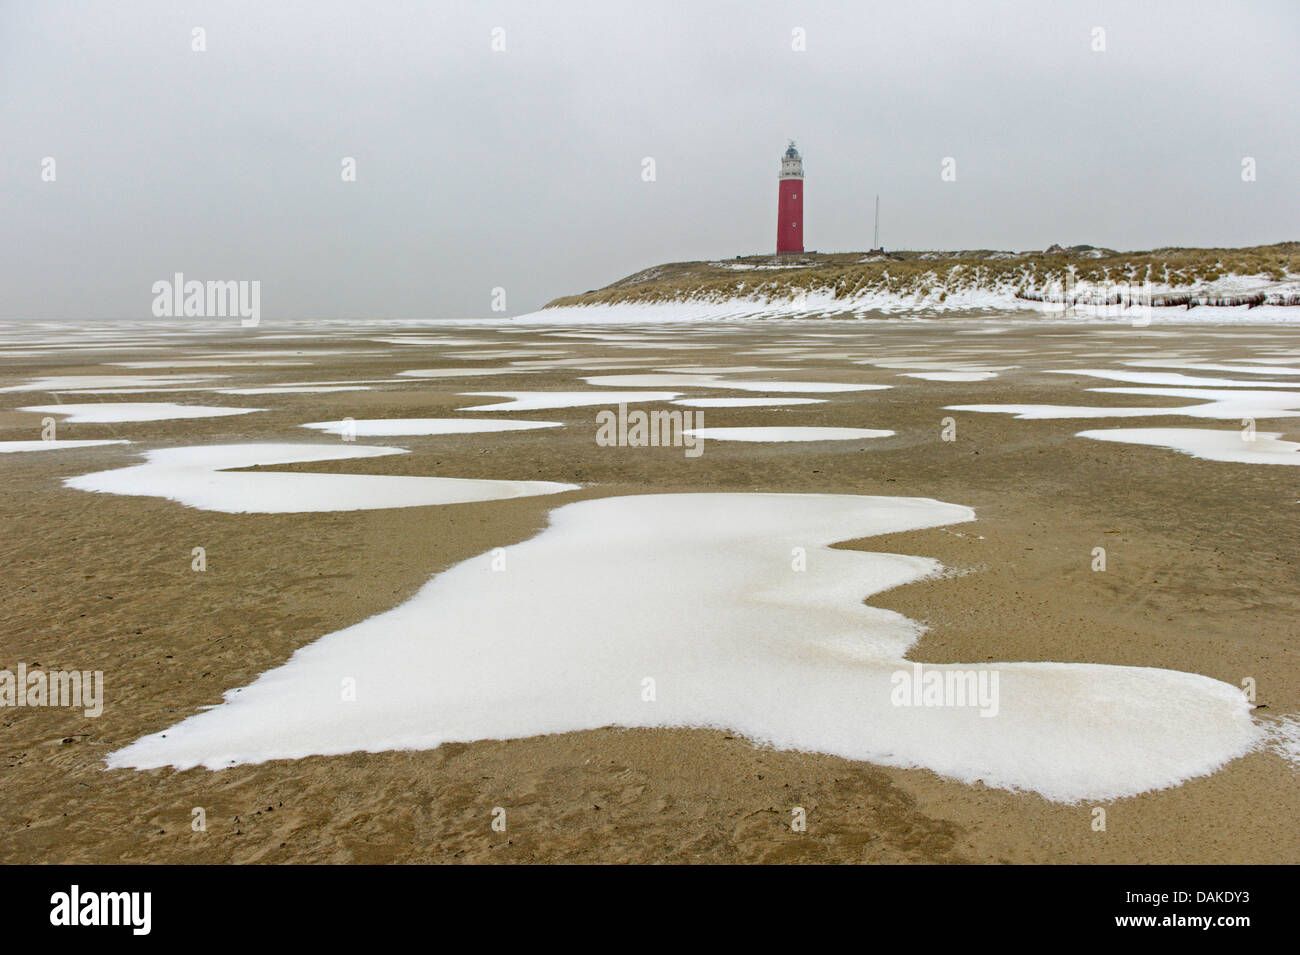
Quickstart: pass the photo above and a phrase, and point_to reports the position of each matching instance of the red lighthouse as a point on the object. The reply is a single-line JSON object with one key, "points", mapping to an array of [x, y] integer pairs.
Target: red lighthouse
{"points": [[789, 217]]}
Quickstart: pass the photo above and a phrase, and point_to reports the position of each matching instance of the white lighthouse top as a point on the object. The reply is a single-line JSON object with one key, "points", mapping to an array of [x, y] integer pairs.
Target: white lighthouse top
{"points": [[792, 163]]}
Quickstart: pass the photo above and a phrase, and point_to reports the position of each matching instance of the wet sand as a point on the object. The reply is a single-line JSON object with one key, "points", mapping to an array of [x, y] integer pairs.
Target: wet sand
{"points": [[1201, 577]]}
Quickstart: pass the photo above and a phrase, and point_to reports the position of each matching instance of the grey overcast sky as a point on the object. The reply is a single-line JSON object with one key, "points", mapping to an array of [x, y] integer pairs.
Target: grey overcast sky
{"points": [[522, 168]]}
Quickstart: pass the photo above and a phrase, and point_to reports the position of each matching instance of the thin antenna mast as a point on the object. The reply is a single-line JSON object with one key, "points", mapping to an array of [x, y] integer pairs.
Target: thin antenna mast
{"points": [[875, 244]]}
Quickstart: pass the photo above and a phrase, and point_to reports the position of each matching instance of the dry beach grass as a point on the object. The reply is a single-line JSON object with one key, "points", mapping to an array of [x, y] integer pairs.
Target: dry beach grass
{"points": [[846, 274]]}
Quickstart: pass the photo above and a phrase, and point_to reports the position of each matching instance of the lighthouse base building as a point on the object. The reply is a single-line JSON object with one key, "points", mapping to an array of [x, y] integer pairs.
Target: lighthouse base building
{"points": [[789, 216]]}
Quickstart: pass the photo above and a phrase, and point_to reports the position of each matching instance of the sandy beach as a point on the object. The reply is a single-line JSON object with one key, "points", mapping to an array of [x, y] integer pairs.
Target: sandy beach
{"points": [[1200, 577]]}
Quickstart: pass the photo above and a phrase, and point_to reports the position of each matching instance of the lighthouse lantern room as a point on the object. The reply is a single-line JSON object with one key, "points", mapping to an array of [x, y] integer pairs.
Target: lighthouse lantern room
{"points": [[789, 220]]}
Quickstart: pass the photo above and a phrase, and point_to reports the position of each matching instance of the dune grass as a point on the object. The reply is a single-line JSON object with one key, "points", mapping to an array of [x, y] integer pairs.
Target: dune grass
{"points": [[847, 275]]}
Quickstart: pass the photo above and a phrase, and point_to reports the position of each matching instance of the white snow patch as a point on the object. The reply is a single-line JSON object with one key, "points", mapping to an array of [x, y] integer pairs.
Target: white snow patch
{"points": [[1169, 378], [436, 340], [10, 447], [201, 477], [400, 427], [715, 381], [786, 434], [696, 590], [461, 372], [204, 363], [1284, 737], [291, 390], [1217, 404], [950, 375], [105, 412], [1193, 365], [746, 402], [545, 400], [1232, 446], [70, 382], [717, 370]]}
